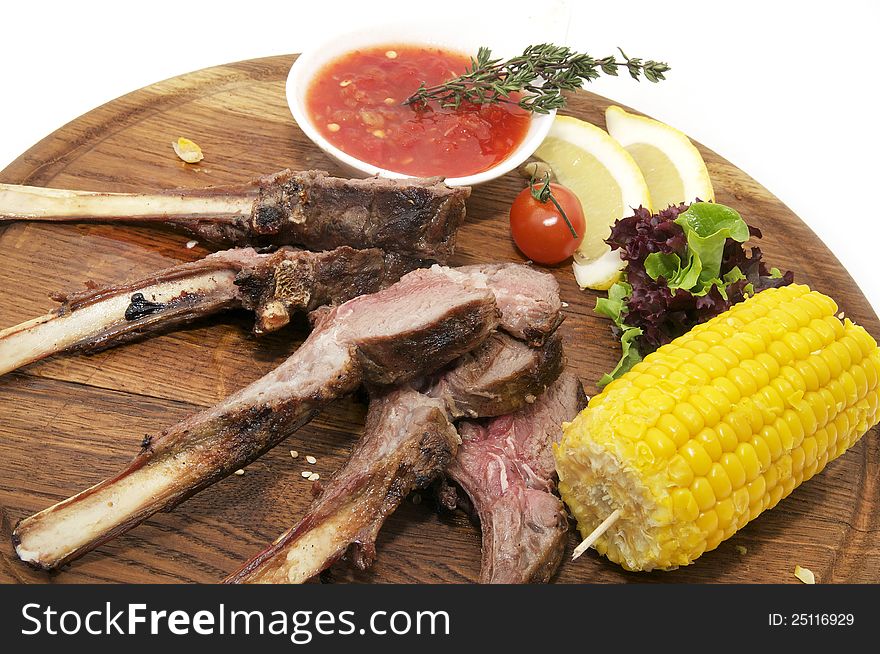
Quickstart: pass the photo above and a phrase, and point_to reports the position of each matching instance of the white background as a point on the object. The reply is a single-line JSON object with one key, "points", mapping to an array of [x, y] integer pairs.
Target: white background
{"points": [[787, 91]]}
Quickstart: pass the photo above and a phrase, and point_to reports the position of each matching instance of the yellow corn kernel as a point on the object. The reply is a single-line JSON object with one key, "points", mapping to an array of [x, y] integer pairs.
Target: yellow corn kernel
{"points": [[815, 375], [684, 505], [695, 372], [749, 460], [797, 344], [680, 473], [740, 502], [758, 373], [708, 522], [769, 364], [661, 445], [672, 427], [743, 381], [695, 345], [841, 355], [719, 481], [806, 416], [689, 417], [725, 511], [756, 489], [703, 494], [771, 438], [727, 436], [710, 364], [762, 451], [710, 442], [725, 356], [734, 469], [811, 336], [795, 426], [727, 388], [851, 343], [695, 455], [785, 435], [740, 423]]}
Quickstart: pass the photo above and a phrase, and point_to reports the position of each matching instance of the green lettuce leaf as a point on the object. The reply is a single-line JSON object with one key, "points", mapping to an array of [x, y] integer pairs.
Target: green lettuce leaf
{"points": [[661, 264], [630, 356], [614, 306], [707, 226], [668, 266]]}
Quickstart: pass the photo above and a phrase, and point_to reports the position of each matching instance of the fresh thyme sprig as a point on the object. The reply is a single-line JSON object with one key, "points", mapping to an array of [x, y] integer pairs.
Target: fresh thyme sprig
{"points": [[541, 74]]}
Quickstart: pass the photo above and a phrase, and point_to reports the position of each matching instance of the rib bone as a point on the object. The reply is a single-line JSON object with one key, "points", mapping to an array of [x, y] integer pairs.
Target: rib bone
{"points": [[36, 203], [104, 317]]}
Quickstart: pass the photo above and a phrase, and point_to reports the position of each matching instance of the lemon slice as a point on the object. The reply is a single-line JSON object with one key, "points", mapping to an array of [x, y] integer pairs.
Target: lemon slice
{"points": [[600, 172], [599, 274], [672, 166]]}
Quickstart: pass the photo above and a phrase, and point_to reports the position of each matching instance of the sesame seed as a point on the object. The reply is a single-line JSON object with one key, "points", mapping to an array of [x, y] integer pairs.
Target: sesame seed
{"points": [[311, 459], [379, 133], [293, 454], [391, 54], [565, 305], [390, 101], [841, 315], [306, 473], [191, 244], [344, 83], [314, 476], [333, 127], [239, 472]]}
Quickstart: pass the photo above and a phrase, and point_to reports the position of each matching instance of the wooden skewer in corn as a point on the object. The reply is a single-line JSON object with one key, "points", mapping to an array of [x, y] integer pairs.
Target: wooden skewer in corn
{"points": [[596, 534]]}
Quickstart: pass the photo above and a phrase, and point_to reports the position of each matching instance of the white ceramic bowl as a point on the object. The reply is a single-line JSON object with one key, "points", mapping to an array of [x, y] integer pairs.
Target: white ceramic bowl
{"points": [[453, 38]]}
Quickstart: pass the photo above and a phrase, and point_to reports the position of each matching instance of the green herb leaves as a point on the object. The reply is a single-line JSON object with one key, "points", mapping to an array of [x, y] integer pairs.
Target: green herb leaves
{"points": [[541, 73]]}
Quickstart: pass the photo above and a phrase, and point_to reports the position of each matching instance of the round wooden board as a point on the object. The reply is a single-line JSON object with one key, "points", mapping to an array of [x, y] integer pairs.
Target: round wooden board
{"points": [[71, 421]]}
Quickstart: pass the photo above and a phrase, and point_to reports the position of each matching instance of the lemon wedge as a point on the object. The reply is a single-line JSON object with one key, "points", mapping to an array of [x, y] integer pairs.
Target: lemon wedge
{"points": [[600, 172], [599, 274], [673, 168]]}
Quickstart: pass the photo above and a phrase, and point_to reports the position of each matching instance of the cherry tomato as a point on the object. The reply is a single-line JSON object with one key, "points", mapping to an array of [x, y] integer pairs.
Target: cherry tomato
{"points": [[537, 227]]}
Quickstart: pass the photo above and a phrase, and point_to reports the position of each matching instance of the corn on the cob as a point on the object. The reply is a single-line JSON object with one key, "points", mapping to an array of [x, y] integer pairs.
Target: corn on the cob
{"points": [[717, 426]]}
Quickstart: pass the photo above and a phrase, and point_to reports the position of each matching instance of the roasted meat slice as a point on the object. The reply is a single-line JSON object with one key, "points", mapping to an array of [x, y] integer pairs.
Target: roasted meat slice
{"points": [[505, 466], [274, 286], [411, 328], [407, 443], [415, 217], [527, 298], [500, 376]]}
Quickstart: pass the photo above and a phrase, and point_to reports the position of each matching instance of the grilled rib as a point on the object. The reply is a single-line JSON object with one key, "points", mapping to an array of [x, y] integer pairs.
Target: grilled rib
{"points": [[415, 217], [407, 439], [506, 467], [274, 286], [407, 443]]}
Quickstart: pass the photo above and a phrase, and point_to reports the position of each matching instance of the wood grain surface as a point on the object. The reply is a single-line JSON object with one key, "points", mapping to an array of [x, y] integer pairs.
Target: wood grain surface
{"points": [[70, 421]]}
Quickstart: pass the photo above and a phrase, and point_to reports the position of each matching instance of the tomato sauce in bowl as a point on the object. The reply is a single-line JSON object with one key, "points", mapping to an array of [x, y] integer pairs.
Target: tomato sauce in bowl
{"points": [[357, 104]]}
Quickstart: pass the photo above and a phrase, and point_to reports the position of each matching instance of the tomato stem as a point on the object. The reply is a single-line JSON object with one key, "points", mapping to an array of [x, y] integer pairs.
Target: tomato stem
{"points": [[544, 193]]}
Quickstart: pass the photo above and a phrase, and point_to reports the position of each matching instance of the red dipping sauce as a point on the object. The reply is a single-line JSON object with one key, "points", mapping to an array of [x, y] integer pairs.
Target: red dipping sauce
{"points": [[356, 102]]}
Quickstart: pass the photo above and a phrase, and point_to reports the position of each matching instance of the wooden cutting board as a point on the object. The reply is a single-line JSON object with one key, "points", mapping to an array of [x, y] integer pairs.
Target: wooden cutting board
{"points": [[70, 421]]}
